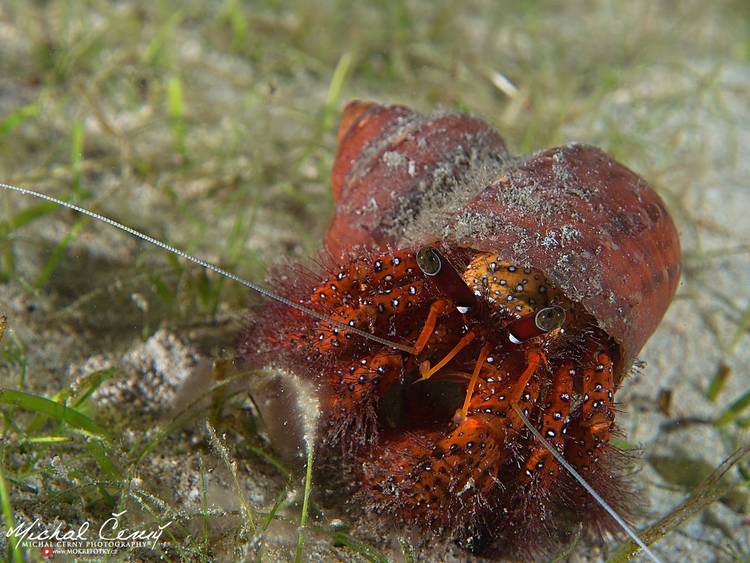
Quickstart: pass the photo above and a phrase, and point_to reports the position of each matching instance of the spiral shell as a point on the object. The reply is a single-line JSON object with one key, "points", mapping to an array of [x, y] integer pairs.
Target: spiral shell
{"points": [[596, 229]]}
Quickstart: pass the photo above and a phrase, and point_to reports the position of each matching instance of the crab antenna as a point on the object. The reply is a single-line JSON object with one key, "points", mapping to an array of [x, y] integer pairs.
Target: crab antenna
{"points": [[589, 489], [207, 265]]}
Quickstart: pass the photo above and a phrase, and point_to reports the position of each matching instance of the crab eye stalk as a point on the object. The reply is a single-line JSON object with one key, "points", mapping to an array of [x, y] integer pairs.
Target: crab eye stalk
{"points": [[434, 265], [532, 325]]}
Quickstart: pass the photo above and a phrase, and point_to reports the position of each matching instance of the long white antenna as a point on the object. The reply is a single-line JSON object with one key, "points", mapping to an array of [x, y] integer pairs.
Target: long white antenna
{"points": [[195, 260], [578, 477]]}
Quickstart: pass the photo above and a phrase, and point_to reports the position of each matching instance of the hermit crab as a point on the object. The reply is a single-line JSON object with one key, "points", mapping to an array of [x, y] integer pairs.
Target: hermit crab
{"points": [[504, 287]]}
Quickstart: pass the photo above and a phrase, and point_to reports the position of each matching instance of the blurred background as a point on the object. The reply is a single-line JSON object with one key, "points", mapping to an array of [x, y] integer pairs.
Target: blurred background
{"points": [[212, 125]]}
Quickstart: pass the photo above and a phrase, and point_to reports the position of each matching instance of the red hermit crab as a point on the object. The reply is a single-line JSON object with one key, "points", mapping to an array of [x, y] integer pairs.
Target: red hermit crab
{"points": [[507, 285]]}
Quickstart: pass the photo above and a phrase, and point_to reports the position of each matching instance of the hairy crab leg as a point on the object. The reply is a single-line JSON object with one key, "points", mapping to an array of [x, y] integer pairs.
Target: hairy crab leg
{"points": [[360, 383], [374, 311], [598, 388], [595, 419], [352, 281], [556, 414]]}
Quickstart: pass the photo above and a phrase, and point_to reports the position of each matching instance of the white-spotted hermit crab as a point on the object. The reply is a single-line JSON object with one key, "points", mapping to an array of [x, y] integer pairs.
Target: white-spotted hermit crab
{"points": [[510, 284], [475, 317]]}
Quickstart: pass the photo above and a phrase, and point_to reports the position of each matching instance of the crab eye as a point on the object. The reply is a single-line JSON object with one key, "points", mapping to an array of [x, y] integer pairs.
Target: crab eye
{"points": [[429, 261], [549, 318], [533, 325]]}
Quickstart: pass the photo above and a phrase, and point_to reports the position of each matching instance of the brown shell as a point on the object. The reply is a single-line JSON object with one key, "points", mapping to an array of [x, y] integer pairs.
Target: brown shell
{"points": [[393, 163], [595, 228]]}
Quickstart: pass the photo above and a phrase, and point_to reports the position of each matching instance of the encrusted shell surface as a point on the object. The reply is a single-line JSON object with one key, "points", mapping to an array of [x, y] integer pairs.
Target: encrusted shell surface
{"points": [[394, 164], [596, 229]]}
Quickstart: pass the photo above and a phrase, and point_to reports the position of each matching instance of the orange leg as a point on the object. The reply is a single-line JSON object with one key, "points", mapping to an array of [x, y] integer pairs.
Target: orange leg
{"points": [[591, 427], [436, 309], [427, 371], [598, 388], [483, 353], [533, 358], [553, 422]]}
